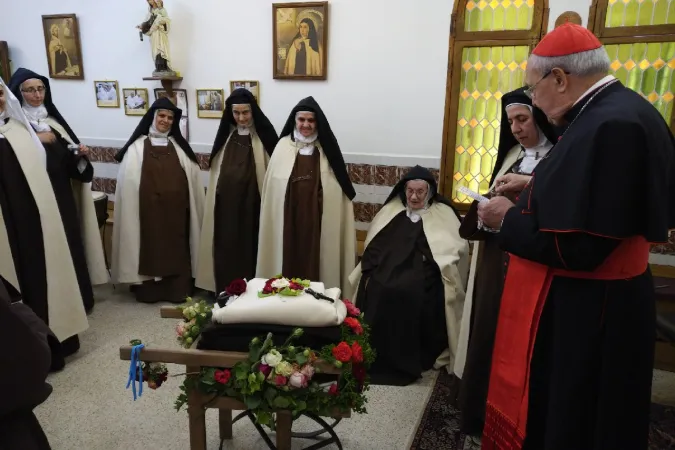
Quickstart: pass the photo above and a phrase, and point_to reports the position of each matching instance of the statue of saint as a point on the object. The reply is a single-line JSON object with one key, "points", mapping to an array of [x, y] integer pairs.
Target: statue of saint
{"points": [[156, 25]]}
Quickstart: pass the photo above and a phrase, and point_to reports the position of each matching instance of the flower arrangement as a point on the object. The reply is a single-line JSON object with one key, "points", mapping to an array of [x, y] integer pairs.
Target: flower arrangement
{"points": [[154, 374], [195, 316], [290, 287], [282, 377], [234, 290]]}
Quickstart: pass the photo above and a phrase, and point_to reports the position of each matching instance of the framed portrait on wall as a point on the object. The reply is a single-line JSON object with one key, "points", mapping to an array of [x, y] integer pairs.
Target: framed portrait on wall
{"points": [[135, 101], [210, 103], [107, 94], [5, 69], [179, 99], [300, 40], [252, 86], [62, 42]]}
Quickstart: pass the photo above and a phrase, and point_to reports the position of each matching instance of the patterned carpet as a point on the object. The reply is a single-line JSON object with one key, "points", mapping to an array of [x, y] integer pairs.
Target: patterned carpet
{"points": [[439, 427]]}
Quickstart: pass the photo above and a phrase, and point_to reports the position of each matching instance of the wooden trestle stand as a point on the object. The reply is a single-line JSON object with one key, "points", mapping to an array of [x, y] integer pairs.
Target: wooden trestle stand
{"points": [[197, 404]]}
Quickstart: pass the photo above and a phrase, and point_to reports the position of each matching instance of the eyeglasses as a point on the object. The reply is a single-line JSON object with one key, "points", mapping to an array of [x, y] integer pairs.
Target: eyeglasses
{"points": [[530, 90], [33, 90]]}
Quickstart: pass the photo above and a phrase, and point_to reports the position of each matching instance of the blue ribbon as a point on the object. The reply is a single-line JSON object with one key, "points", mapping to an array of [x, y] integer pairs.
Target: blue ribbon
{"points": [[135, 368]]}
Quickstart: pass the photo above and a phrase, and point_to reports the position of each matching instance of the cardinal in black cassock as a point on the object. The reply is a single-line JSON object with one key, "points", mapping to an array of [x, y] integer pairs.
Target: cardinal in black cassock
{"points": [[410, 281], [70, 175], [25, 362], [517, 157], [159, 203], [34, 253], [241, 152], [307, 216], [573, 356]]}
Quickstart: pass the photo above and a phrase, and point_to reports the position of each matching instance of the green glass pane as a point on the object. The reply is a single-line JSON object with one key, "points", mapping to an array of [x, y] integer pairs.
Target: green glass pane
{"points": [[484, 80], [632, 13], [647, 68], [498, 15]]}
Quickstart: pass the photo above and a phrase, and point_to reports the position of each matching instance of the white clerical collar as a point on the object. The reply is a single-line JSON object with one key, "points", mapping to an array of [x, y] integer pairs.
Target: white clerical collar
{"points": [[599, 83], [305, 143]]}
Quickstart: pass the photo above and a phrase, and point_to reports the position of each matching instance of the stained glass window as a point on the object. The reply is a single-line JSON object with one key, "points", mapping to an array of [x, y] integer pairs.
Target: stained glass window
{"points": [[647, 68], [497, 15], [487, 73], [633, 13]]}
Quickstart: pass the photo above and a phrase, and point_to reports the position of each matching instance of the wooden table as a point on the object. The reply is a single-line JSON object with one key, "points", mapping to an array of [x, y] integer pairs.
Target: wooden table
{"points": [[198, 402]]}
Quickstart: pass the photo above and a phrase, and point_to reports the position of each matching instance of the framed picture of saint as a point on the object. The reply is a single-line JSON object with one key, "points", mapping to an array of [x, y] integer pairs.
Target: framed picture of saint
{"points": [[210, 103], [62, 42], [5, 71], [252, 86], [300, 40]]}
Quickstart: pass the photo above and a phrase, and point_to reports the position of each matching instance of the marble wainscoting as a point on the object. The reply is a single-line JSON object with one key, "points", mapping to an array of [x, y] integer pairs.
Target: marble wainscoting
{"points": [[372, 182]]}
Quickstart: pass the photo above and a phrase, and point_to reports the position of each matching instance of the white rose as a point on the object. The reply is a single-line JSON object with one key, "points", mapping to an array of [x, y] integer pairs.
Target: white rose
{"points": [[272, 358], [280, 283]]}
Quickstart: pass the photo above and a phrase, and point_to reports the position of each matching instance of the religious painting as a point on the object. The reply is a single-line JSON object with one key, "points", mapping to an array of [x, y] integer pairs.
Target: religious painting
{"points": [[135, 101], [210, 103], [179, 99], [5, 71], [107, 94], [252, 86], [64, 51], [300, 35]]}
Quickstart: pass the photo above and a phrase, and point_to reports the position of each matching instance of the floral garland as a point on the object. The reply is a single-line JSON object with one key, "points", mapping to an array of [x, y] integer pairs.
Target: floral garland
{"points": [[196, 315], [288, 287], [281, 377]]}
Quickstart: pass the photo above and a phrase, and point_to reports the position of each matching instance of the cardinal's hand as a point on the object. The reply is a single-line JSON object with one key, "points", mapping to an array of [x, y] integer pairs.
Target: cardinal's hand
{"points": [[492, 212]]}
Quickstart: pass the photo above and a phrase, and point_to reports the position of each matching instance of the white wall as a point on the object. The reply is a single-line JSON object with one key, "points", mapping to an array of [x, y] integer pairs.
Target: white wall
{"points": [[384, 96]]}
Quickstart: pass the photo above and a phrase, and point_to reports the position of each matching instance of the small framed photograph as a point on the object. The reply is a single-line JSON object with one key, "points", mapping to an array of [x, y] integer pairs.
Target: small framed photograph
{"points": [[179, 99], [136, 101], [300, 40], [252, 86], [107, 94], [64, 51], [210, 103]]}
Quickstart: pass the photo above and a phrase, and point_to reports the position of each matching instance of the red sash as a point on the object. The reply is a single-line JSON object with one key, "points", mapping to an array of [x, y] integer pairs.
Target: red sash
{"points": [[525, 291]]}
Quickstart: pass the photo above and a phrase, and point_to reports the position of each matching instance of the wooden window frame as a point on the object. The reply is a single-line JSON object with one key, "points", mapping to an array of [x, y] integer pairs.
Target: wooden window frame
{"points": [[459, 40]]}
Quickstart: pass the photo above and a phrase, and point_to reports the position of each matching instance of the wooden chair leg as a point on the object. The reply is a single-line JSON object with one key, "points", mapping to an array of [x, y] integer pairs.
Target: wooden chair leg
{"points": [[197, 417], [284, 425], [225, 423]]}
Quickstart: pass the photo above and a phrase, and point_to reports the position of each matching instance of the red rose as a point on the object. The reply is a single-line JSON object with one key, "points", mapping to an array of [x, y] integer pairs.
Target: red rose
{"points": [[333, 390], [265, 369], [280, 380], [237, 287], [295, 286], [357, 352], [351, 309], [354, 325], [222, 376], [342, 352]]}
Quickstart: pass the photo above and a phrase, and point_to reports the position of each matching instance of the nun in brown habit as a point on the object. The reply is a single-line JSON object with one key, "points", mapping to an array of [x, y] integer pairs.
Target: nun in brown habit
{"points": [[307, 216], [159, 202], [241, 152]]}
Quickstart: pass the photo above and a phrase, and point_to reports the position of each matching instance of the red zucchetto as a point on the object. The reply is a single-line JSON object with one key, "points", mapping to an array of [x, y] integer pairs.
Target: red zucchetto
{"points": [[567, 39]]}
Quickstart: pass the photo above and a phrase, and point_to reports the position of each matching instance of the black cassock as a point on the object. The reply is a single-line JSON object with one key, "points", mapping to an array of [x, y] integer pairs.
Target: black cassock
{"points": [[402, 297], [607, 182]]}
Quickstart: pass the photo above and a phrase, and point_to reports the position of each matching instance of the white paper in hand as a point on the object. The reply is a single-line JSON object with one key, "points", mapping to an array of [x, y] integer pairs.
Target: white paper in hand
{"points": [[474, 195]]}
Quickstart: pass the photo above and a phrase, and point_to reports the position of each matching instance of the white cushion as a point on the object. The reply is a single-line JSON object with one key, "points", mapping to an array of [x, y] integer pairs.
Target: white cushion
{"points": [[301, 311]]}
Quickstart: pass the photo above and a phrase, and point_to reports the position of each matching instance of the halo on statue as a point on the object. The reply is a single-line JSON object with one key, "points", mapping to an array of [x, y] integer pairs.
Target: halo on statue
{"points": [[312, 14]]}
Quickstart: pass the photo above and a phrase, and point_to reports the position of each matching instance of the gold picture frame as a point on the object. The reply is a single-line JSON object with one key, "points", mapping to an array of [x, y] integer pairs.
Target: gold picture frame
{"points": [[104, 97], [132, 101], [62, 43], [210, 103], [253, 86], [300, 41]]}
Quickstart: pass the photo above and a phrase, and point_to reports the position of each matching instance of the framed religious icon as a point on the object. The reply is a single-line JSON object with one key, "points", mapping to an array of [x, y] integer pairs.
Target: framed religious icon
{"points": [[179, 99], [107, 94], [251, 86], [5, 70], [135, 101], [64, 51], [210, 103], [300, 40]]}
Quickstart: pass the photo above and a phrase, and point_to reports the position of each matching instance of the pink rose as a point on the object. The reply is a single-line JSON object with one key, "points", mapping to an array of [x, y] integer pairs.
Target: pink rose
{"points": [[333, 390], [307, 371], [298, 380], [179, 329], [265, 369], [280, 380], [352, 310]]}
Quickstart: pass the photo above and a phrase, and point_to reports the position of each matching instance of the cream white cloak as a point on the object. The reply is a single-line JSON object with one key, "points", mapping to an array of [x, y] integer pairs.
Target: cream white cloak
{"points": [[66, 312], [338, 234], [205, 278], [460, 361], [91, 234], [126, 239], [450, 252]]}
